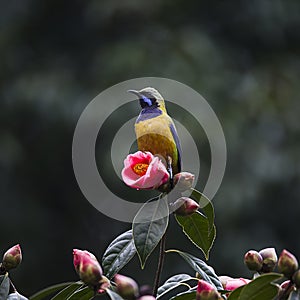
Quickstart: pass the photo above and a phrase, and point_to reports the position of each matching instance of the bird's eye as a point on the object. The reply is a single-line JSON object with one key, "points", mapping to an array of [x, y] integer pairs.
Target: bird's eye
{"points": [[147, 100]]}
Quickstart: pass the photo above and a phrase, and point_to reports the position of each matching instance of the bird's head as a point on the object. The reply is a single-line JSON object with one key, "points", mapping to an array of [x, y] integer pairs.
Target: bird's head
{"points": [[150, 97]]}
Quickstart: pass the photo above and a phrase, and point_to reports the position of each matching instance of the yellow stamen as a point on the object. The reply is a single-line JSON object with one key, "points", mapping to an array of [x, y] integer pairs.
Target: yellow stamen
{"points": [[140, 169]]}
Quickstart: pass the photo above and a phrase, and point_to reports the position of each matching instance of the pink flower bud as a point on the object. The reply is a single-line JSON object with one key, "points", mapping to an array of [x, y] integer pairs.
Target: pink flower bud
{"points": [[231, 284], [285, 289], [79, 255], [206, 291], [142, 170], [234, 283], [184, 181], [145, 290], [269, 259], [224, 280], [12, 258], [187, 206], [285, 284], [147, 297], [87, 267], [287, 264], [204, 286], [127, 288], [253, 260]]}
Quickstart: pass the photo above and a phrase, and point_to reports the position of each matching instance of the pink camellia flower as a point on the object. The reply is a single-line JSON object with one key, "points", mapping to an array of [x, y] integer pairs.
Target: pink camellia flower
{"points": [[12, 257], [206, 291], [143, 170], [87, 267]]}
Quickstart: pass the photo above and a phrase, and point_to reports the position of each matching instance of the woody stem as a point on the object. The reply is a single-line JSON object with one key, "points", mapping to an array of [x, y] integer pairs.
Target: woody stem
{"points": [[161, 257]]}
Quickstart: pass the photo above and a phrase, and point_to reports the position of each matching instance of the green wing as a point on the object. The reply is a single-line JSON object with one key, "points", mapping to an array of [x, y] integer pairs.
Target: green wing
{"points": [[177, 142]]}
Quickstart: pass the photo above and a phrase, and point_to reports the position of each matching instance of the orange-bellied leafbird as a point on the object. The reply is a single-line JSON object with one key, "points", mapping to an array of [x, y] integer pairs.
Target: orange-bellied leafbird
{"points": [[155, 130]]}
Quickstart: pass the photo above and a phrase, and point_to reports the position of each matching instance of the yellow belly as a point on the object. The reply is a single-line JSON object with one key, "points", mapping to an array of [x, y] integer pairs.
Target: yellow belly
{"points": [[154, 135]]}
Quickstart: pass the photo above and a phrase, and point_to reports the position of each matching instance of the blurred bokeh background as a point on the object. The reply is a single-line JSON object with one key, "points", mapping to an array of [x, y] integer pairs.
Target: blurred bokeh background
{"points": [[56, 56]]}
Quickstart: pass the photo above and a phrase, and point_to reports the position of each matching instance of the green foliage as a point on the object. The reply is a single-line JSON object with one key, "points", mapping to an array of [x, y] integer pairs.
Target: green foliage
{"points": [[149, 226], [189, 295], [234, 295], [118, 254], [4, 286], [51, 290], [196, 227], [261, 288], [206, 206], [113, 295], [86, 293], [206, 272], [172, 283], [68, 291]]}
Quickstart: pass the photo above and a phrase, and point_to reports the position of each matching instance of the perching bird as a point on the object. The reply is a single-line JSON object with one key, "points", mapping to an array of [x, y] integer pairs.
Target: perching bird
{"points": [[155, 130]]}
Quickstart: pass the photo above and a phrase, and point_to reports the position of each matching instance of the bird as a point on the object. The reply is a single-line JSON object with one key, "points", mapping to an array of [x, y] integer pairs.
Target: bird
{"points": [[155, 130]]}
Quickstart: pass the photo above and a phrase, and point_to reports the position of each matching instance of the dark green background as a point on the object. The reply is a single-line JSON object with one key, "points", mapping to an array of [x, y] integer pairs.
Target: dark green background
{"points": [[56, 56]]}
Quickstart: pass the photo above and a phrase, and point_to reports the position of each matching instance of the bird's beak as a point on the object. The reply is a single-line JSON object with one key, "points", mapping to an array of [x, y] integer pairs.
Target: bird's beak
{"points": [[136, 93]]}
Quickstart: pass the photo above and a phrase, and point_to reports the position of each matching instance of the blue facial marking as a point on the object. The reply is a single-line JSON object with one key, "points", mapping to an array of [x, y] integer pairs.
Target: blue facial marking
{"points": [[147, 100], [148, 113]]}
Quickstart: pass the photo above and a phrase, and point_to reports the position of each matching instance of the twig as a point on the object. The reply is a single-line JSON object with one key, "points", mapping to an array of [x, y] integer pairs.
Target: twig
{"points": [[12, 288], [160, 264]]}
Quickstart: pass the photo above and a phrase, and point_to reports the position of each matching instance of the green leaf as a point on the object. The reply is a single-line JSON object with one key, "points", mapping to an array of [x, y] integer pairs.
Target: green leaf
{"points": [[196, 228], [118, 254], [261, 288], [205, 271], [189, 295], [234, 295], [85, 293], [172, 283], [49, 291], [4, 286], [206, 206], [113, 295], [294, 295], [149, 225], [68, 291]]}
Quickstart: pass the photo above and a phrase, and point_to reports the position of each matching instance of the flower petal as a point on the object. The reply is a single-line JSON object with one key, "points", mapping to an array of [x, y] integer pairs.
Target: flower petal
{"points": [[155, 175]]}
